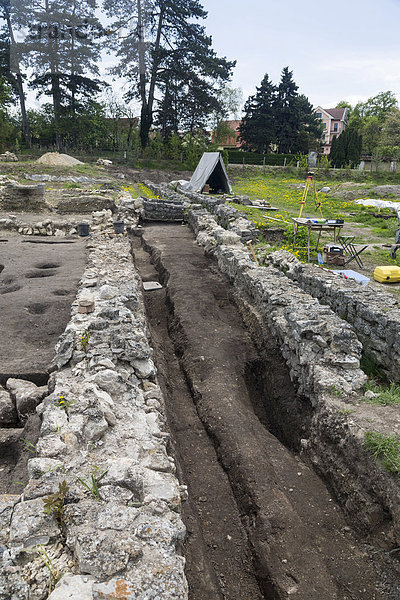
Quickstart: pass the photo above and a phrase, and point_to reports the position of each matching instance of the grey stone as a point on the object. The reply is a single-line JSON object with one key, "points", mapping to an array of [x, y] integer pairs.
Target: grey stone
{"points": [[12, 586], [26, 396], [64, 349], [29, 523], [8, 414], [102, 553], [144, 368], [7, 503], [73, 587]]}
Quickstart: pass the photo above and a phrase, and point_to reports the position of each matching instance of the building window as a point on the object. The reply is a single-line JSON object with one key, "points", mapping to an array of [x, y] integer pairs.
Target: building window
{"points": [[319, 115], [335, 127]]}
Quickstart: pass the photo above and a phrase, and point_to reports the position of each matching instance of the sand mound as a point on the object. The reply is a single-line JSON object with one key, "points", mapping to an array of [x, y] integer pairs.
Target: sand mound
{"points": [[59, 160]]}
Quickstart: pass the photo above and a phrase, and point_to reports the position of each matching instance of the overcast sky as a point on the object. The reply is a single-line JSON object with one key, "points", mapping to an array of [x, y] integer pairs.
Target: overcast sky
{"points": [[342, 50]]}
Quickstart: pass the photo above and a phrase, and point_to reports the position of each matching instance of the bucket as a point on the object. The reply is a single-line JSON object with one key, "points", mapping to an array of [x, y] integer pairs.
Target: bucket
{"points": [[83, 229], [119, 226]]}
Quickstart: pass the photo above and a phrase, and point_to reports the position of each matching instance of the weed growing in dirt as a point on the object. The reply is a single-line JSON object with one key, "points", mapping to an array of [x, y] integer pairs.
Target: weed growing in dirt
{"points": [[384, 448], [385, 395], [336, 391], [346, 411], [55, 503], [92, 482]]}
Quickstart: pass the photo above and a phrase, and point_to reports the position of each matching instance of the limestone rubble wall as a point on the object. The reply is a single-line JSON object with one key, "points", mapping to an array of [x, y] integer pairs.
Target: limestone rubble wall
{"points": [[103, 421], [230, 218], [373, 314]]}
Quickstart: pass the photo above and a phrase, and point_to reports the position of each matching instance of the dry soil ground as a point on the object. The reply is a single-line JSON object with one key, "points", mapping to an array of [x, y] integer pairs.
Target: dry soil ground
{"points": [[38, 282]]}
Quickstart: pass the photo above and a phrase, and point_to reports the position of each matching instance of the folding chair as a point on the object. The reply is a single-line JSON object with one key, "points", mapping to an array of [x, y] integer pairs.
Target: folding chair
{"points": [[347, 242]]}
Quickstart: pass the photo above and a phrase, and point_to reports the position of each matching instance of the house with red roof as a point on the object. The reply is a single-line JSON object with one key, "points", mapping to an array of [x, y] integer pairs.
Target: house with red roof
{"points": [[334, 121], [230, 136]]}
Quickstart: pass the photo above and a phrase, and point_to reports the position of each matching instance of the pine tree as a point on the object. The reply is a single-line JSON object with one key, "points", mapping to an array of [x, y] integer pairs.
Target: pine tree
{"points": [[339, 156], [333, 152], [257, 130], [287, 113], [15, 79], [166, 52], [353, 147], [61, 49]]}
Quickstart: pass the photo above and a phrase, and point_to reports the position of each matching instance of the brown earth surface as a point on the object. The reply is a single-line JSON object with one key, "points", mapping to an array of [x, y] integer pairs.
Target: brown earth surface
{"points": [[38, 282]]}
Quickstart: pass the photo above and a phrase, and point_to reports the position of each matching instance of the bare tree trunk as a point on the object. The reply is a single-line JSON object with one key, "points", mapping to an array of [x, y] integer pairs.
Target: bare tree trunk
{"points": [[20, 88], [56, 93], [147, 108]]}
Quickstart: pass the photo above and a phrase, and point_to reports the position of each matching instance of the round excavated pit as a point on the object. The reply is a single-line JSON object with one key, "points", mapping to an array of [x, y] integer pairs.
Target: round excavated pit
{"points": [[9, 289], [38, 308], [47, 265], [35, 274]]}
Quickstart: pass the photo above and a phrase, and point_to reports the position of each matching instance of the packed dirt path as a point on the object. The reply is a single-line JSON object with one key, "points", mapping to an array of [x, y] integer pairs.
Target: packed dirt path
{"points": [[260, 523]]}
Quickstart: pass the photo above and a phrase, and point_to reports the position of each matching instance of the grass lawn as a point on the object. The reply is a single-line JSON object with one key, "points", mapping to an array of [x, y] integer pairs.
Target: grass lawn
{"points": [[285, 193]]}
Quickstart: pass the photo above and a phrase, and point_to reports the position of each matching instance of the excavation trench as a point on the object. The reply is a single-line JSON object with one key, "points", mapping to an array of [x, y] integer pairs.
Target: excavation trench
{"points": [[260, 523]]}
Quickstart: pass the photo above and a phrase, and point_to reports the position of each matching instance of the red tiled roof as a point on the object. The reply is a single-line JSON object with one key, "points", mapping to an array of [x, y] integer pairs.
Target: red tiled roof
{"points": [[336, 113]]}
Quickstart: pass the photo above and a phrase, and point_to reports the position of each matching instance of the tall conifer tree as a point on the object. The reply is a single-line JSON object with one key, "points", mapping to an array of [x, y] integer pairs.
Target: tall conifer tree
{"points": [[258, 128]]}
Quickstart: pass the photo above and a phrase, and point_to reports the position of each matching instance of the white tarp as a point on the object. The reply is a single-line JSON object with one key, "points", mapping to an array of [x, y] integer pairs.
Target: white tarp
{"points": [[211, 170], [379, 203]]}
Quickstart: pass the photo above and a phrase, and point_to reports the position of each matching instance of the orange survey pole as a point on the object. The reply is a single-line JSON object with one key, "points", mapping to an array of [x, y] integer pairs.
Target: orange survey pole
{"points": [[252, 251], [304, 197], [310, 178]]}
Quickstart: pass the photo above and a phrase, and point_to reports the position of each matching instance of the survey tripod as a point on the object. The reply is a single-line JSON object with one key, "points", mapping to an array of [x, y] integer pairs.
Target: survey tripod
{"points": [[310, 181]]}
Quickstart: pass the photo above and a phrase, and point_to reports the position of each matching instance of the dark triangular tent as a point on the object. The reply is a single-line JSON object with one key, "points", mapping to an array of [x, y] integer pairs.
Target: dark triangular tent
{"points": [[210, 170]]}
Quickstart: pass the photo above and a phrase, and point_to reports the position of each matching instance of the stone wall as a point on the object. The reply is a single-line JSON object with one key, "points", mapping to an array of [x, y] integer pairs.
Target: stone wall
{"points": [[230, 218], [14, 196], [323, 354], [103, 421], [163, 210], [373, 314]]}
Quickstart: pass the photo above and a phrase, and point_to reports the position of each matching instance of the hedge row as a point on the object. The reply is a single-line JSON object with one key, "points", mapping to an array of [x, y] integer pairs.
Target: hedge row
{"points": [[237, 157]]}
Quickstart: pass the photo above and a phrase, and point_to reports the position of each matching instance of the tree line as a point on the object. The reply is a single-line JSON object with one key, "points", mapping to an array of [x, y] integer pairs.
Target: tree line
{"points": [[373, 126], [161, 48]]}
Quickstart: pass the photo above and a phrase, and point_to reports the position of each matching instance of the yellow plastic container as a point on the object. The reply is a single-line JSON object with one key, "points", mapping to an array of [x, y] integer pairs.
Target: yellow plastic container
{"points": [[387, 274]]}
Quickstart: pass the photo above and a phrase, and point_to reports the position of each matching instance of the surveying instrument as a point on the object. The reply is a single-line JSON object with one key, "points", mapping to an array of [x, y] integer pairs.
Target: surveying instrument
{"points": [[310, 181]]}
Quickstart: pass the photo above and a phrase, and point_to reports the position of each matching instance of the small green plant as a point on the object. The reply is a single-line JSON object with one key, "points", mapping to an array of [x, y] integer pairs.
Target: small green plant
{"points": [[336, 391], [29, 446], [61, 402], [370, 368], [85, 337], [386, 395], [54, 572], [384, 448], [346, 411], [55, 503], [92, 481]]}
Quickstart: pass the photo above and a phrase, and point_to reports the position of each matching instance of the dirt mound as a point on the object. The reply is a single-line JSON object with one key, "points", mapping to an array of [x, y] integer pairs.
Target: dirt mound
{"points": [[58, 160]]}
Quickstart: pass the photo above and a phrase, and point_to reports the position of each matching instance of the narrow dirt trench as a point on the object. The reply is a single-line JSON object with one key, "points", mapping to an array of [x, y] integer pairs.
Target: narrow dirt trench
{"points": [[260, 523]]}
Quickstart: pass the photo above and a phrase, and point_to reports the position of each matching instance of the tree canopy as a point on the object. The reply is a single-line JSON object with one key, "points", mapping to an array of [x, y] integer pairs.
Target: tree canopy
{"points": [[168, 59], [280, 117]]}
